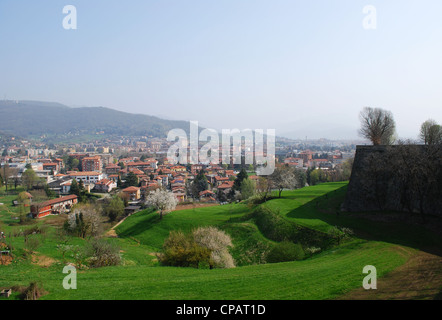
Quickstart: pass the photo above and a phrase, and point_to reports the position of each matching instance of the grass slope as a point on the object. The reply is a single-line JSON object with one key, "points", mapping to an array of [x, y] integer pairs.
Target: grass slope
{"points": [[327, 275], [324, 277]]}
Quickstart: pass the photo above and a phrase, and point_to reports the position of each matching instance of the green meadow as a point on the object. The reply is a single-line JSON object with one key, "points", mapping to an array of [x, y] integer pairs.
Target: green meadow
{"points": [[334, 271]]}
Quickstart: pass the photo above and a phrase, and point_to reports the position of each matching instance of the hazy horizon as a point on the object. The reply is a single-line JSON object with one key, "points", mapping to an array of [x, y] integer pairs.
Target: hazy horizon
{"points": [[305, 69]]}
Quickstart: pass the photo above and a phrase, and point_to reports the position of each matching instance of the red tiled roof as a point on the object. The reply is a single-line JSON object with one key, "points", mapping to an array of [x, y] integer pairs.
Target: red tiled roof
{"points": [[111, 166], [84, 173], [226, 185], [131, 189], [202, 193], [58, 200], [104, 181], [92, 158]]}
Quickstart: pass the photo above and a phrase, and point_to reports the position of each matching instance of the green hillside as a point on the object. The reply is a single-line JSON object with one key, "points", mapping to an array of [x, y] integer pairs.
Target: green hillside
{"points": [[336, 271]]}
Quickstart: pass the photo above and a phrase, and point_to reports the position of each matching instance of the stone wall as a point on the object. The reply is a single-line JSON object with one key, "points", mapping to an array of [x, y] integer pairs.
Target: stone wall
{"points": [[396, 178]]}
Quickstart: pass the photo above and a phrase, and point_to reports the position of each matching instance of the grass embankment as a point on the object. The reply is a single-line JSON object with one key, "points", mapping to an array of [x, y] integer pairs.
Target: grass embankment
{"points": [[327, 275]]}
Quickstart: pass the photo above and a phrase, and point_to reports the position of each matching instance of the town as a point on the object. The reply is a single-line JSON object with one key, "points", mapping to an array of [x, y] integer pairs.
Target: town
{"points": [[134, 167]]}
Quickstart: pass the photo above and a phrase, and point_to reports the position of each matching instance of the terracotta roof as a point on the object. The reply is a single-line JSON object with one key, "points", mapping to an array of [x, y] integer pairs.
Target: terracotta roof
{"points": [[145, 163], [112, 166], [226, 185], [58, 200], [131, 189], [105, 181], [202, 193], [85, 173]]}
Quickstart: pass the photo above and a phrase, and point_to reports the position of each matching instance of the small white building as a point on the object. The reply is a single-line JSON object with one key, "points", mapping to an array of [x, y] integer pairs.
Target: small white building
{"points": [[87, 176]]}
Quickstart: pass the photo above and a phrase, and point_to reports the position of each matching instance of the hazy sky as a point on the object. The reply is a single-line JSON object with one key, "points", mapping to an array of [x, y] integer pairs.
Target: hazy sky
{"points": [[305, 68]]}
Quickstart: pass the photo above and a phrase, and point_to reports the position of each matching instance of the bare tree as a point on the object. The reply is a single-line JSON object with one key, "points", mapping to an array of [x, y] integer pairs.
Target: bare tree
{"points": [[431, 132], [162, 200], [377, 125]]}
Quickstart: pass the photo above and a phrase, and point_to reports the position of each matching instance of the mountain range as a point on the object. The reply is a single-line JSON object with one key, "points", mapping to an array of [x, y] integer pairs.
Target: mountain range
{"points": [[35, 119]]}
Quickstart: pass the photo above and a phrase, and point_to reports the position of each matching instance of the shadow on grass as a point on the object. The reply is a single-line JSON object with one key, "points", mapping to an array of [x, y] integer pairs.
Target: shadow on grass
{"points": [[140, 223], [328, 209]]}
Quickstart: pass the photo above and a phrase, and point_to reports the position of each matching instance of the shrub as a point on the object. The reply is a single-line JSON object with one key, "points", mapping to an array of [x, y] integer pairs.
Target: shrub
{"points": [[181, 250], [218, 242], [102, 253], [32, 243], [33, 292], [204, 246], [312, 250], [257, 199], [339, 234], [36, 230], [285, 251]]}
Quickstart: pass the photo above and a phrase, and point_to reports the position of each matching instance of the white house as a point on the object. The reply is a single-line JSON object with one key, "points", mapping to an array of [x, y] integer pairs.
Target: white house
{"points": [[87, 176]]}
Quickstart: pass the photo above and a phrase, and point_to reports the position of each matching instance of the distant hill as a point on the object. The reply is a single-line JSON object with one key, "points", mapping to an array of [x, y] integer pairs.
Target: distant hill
{"points": [[35, 119], [8, 139]]}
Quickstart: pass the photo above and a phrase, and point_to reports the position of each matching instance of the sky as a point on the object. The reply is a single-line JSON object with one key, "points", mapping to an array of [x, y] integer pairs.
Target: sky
{"points": [[304, 68]]}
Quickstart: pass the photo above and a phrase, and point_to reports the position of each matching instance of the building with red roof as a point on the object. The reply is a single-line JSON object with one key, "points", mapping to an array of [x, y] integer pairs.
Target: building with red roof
{"points": [[55, 206]]}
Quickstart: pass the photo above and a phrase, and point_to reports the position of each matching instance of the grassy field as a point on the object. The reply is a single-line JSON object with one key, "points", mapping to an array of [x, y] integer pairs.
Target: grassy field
{"points": [[328, 275]]}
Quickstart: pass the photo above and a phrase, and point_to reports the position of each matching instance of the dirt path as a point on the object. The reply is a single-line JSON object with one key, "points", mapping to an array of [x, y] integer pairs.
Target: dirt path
{"points": [[112, 233], [420, 278]]}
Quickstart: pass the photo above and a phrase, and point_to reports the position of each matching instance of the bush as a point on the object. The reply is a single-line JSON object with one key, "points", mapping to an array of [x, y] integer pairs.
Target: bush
{"points": [[285, 251], [32, 243], [33, 292], [102, 253], [312, 250], [257, 199], [217, 242], [36, 230], [340, 234], [204, 246], [180, 250]]}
